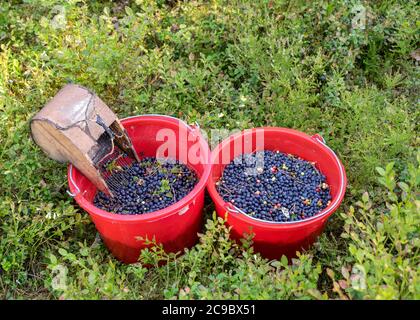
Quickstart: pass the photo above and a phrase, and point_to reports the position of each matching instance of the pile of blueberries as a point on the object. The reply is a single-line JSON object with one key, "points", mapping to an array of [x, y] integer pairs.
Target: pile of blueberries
{"points": [[274, 186], [149, 185]]}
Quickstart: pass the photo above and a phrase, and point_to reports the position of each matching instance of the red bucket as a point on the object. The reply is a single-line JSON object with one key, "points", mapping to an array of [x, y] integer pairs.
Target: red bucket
{"points": [[176, 226], [273, 239]]}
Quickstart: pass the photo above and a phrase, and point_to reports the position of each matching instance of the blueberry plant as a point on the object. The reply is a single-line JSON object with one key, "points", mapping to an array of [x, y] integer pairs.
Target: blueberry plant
{"points": [[345, 69]]}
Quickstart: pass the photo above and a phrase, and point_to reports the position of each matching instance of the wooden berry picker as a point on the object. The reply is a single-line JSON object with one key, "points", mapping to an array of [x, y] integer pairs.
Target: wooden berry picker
{"points": [[76, 126], [130, 198]]}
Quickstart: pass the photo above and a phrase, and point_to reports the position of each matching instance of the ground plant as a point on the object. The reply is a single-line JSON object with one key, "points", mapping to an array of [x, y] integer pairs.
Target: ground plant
{"points": [[348, 70]]}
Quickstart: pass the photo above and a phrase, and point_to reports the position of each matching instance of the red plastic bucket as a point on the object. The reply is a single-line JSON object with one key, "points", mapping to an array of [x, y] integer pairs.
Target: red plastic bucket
{"points": [[176, 226], [273, 239]]}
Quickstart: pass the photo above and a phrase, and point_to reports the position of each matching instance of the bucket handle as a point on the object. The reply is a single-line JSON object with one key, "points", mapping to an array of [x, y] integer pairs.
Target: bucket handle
{"points": [[73, 195], [234, 209], [319, 138]]}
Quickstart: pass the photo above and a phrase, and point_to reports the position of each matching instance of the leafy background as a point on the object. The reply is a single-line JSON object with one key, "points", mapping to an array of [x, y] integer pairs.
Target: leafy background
{"points": [[225, 64]]}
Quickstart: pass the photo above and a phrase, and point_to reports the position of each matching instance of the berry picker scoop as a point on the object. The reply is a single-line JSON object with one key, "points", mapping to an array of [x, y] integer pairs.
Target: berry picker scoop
{"points": [[76, 126]]}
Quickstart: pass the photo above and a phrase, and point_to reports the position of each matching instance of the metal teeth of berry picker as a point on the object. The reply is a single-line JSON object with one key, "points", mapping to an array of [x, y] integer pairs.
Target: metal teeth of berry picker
{"points": [[111, 168]]}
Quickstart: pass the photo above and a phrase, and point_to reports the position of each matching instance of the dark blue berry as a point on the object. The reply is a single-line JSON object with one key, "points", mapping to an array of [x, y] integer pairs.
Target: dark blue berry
{"points": [[283, 188], [152, 185]]}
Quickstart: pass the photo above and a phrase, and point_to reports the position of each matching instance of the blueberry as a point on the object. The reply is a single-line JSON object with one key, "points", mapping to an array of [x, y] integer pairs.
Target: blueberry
{"points": [[283, 188], [150, 187]]}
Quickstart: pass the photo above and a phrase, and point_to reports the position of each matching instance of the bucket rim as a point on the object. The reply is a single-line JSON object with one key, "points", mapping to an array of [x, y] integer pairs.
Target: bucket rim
{"points": [[239, 214], [175, 208]]}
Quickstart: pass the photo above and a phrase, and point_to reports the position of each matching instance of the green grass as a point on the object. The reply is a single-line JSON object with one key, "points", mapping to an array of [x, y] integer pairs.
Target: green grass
{"points": [[224, 64]]}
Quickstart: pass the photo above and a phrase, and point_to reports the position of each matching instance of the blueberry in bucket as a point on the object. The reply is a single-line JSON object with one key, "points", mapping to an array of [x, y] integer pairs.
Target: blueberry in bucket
{"points": [[274, 186], [150, 185]]}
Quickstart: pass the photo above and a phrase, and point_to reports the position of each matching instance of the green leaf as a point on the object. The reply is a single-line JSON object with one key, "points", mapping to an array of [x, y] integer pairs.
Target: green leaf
{"points": [[392, 196], [331, 273], [382, 181], [345, 272], [365, 197], [380, 171], [284, 260], [404, 186], [62, 251], [84, 251], [53, 259], [389, 167]]}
